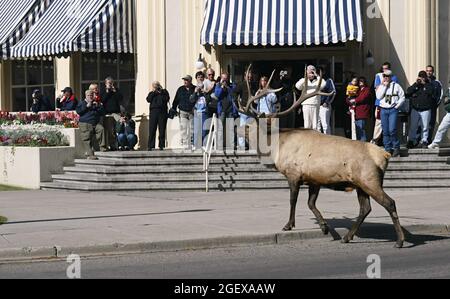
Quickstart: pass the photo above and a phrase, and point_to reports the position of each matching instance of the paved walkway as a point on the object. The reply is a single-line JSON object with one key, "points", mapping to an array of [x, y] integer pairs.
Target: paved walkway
{"points": [[47, 219]]}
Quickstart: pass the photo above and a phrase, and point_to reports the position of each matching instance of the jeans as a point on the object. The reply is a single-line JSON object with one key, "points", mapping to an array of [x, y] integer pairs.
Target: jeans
{"points": [[389, 122], [443, 128], [129, 141], [199, 128], [361, 129], [422, 117], [325, 120], [244, 121]]}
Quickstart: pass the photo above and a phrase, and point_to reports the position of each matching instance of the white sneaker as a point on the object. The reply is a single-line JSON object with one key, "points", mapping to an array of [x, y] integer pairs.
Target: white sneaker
{"points": [[433, 146]]}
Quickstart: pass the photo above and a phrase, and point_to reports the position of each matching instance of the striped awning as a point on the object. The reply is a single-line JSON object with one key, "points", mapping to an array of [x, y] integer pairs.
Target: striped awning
{"points": [[16, 19], [80, 25], [281, 22]]}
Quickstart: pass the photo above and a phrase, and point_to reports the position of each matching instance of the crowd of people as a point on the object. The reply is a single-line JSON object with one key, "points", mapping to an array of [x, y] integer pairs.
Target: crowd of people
{"points": [[105, 124]]}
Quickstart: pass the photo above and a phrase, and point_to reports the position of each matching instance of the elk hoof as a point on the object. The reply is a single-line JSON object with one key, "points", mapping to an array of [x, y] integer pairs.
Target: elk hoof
{"points": [[345, 240], [325, 229], [288, 227], [399, 245]]}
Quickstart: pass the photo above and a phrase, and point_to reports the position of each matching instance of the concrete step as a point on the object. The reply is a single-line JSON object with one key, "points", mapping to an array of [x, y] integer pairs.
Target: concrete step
{"points": [[200, 186], [195, 177], [443, 152], [169, 154], [226, 170], [167, 162], [215, 177], [419, 159]]}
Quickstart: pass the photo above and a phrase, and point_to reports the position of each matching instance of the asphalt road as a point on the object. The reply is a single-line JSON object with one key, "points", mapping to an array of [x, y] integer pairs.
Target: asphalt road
{"points": [[428, 258]]}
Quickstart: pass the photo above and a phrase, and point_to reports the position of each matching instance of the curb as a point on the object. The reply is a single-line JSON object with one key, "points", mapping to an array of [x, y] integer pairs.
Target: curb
{"points": [[57, 252]]}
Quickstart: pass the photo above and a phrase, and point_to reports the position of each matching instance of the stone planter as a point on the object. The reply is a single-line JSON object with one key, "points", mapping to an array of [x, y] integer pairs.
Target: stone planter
{"points": [[27, 167]]}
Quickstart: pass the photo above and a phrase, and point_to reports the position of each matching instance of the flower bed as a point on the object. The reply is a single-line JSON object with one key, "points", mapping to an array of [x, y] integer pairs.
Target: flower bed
{"points": [[59, 118], [32, 135]]}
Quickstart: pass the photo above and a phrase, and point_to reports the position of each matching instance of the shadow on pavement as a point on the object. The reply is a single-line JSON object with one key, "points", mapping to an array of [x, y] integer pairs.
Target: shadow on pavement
{"points": [[105, 217], [382, 232]]}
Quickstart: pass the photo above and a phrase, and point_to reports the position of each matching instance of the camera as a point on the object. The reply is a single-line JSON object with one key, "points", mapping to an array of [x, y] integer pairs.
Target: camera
{"points": [[389, 99]]}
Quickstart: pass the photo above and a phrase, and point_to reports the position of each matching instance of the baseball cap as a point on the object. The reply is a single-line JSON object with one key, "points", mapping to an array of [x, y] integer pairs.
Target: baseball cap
{"points": [[187, 78], [67, 89]]}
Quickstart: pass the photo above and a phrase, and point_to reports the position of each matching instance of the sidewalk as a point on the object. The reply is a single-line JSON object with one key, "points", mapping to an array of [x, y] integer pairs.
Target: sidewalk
{"points": [[92, 223]]}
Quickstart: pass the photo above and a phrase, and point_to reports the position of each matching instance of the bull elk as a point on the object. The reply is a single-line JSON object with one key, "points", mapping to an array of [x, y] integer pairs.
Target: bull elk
{"points": [[307, 157]]}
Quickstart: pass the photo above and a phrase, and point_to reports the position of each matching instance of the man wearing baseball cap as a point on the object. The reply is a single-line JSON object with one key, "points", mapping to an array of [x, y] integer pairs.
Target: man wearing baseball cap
{"points": [[392, 97], [183, 103], [67, 101]]}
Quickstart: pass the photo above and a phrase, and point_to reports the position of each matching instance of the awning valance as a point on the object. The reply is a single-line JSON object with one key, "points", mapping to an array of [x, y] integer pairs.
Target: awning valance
{"points": [[16, 19], [281, 22], [80, 25]]}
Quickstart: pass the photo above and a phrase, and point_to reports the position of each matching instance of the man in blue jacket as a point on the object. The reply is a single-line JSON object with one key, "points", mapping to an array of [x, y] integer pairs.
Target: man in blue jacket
{"points": [[91, 129], [326, 104], [226, 109]]}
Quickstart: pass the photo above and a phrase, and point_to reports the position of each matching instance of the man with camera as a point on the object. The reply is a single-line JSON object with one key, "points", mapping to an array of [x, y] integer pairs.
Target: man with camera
{"points": [[126, 132], [112, 101], [67, 100], [227, 110], [392, 97], [158, 99], [421, 95], [445, 124], [41, 103], [91, 129]]}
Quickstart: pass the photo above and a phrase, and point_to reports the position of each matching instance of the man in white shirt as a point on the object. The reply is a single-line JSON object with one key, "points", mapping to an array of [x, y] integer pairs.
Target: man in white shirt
{"points": [[311, 107], [392, 97]]}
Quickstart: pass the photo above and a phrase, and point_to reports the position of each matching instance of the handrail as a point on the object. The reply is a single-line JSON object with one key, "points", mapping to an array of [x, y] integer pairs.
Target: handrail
{"points": [[211, 145]]}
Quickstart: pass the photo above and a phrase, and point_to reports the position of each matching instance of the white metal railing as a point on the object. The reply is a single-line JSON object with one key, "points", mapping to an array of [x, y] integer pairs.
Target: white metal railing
{"points": [[211, 145]]}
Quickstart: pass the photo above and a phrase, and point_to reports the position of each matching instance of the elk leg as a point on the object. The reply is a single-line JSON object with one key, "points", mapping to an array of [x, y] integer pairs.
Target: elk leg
{"points": [[295, 190], [313, 196], [365, 209], [389, 204]]}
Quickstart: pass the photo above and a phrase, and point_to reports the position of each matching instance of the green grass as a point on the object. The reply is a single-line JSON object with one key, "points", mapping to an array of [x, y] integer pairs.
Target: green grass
{"points": [[3, 220], [9, 188]]}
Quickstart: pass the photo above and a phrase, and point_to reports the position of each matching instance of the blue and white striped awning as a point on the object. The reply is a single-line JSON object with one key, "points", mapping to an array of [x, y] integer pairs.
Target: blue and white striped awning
{"points": [[16, 19], [80, 25], [281, 22]]}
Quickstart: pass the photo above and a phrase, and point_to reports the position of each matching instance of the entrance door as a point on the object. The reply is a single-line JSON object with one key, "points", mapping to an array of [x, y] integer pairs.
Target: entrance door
{"points": [[296, 70]]}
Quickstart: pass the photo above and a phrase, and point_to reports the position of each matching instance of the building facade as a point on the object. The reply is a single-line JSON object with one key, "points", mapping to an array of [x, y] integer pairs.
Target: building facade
{"points": [[167, 37]]}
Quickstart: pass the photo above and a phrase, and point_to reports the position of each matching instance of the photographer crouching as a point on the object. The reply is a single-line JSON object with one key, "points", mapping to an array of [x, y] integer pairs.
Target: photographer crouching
{"points": [[126, 132]]}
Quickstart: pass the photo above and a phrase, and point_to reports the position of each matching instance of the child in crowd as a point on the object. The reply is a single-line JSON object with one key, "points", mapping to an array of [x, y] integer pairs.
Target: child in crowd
{"points": [[352, 94], [353, 91]]}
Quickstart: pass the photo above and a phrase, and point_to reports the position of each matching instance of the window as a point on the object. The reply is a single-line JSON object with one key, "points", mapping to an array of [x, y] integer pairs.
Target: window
{"points": [[95, 67], [28, 75]]}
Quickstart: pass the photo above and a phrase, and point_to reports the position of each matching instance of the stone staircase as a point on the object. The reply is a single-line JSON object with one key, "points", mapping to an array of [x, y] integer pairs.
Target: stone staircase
{"points": [[171, 171]]}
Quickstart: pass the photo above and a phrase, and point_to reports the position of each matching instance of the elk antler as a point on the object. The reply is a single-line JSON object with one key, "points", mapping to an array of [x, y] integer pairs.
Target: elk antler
{"points": [[304, 96], [249, 109]]}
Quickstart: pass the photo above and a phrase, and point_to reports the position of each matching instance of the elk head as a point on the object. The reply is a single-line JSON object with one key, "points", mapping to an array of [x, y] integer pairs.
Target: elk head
{"points": [[249, 110]]}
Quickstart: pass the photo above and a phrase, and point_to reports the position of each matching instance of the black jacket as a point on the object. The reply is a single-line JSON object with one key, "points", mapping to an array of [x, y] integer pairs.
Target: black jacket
{"points": [[242, 91], [43, 105], [421, 96], [91, 115], [183, 99], [113, 102], [158, 100]]}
